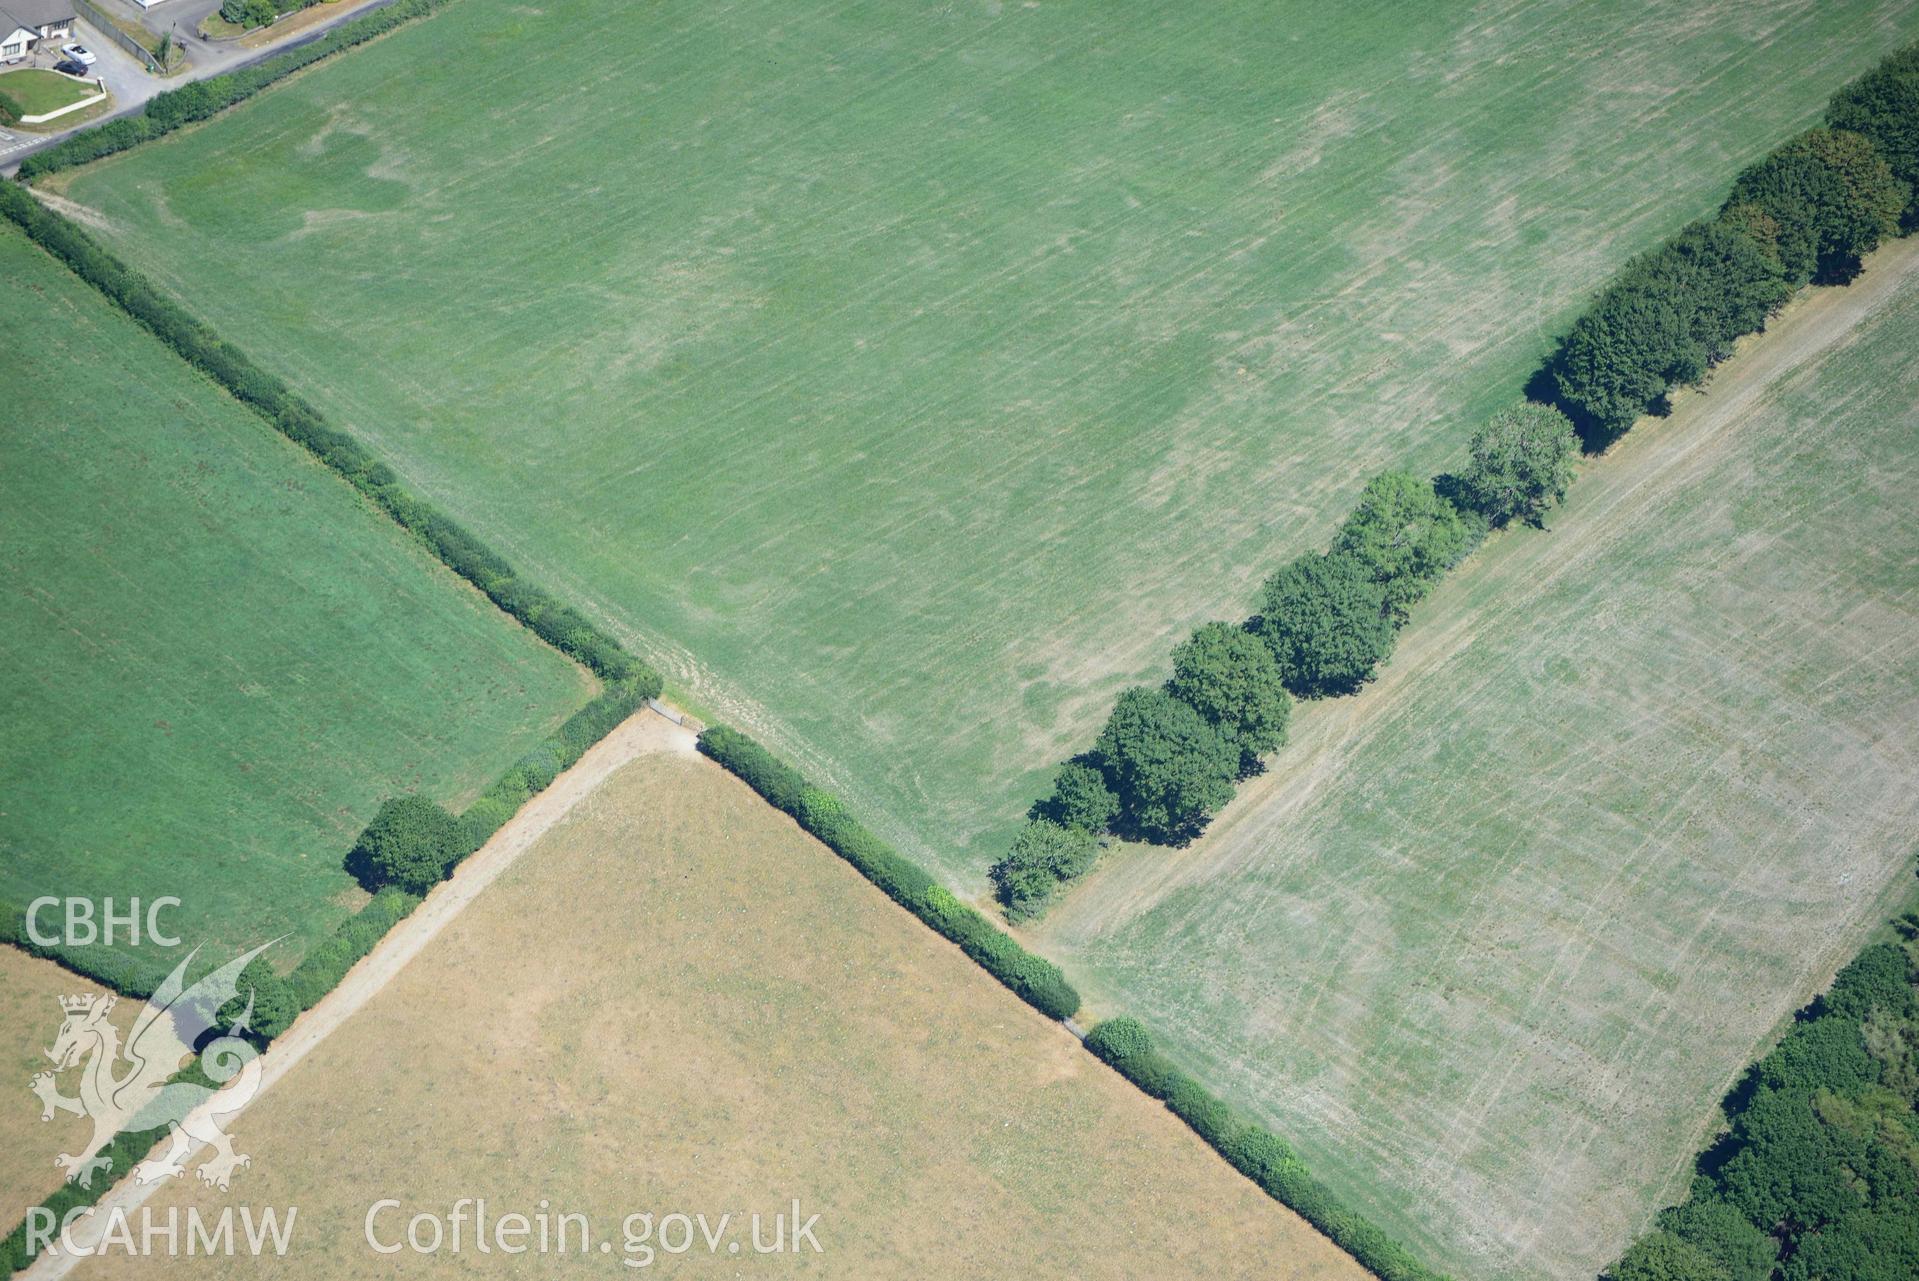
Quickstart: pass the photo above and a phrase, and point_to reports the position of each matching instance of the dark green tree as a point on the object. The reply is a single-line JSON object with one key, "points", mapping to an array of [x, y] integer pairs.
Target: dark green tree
{"points": [[1726, 279], [1405, 535], [1080, 798], [1664, 1257], [274, 1005], [1623, 355], [1044, 855], [1522, 464], [1729, 1237], [1230, 677], [1171, 770], [410, 843], [1883, 105], [1833, 197], [1325, 619]]}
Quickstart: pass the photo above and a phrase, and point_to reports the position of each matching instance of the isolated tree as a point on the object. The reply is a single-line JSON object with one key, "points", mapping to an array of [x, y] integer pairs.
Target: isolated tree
{"points": [[1664, 1257], [1230, 677], [1883, 105], [1522, 464], [1325, 620], [1405, 535], [1044, 856], [1171, 770], [1080, 798], [410, 844]]}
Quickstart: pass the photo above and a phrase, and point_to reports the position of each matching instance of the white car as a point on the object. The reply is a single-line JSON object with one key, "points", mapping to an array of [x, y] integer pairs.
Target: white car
{"points": [[79, 53]]}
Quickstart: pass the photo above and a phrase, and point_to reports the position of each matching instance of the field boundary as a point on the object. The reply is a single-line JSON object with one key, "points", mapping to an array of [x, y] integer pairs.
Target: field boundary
{"points": [[1665, 320], [642, 733], [629, 682], [1247, 1146], [201, 99]]}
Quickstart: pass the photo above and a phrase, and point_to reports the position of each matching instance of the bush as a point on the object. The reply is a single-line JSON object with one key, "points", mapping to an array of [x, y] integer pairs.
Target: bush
{"points": [[249, 13], [1883, 105], [1209, 1118], [321, 969], [1230, 677], [1117, 1039], [410, 844], [1171, 770], [9, 110], [114, 970], [1043, 855], [274, 1006], [1522, 464], [1080, 798], [1260, 1155], [1405, 536], [1036, 981], [1325, 619], [1124, 1045]]}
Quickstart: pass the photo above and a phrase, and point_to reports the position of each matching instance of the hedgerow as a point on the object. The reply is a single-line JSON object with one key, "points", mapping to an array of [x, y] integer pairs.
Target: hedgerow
{"points": [[300, 422], [202, 98], [1125, 1044], [1036, 981], [116, 971]]}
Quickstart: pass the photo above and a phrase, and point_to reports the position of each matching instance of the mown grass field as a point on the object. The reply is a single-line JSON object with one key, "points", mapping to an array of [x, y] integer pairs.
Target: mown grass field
{"points": [[220, 660], [907, 379], [731, 1018], [1496, 935]]}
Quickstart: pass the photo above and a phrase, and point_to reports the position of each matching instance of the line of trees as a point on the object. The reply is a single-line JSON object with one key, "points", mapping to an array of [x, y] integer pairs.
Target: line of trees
{"points": [[1168, 757], [1809, 211], [1816, 1177]]}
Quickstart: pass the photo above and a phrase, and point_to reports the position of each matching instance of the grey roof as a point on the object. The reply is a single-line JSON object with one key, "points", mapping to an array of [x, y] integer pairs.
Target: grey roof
{"points": [[36, 13]]}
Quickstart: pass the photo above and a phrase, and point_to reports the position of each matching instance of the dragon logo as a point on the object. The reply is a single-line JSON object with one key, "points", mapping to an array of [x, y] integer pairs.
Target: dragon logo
{"points": [[138, 1086]]}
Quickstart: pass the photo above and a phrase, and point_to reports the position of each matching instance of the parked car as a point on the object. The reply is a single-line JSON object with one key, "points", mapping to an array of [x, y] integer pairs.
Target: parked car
{"points": [[78, 53], [68, 67]]}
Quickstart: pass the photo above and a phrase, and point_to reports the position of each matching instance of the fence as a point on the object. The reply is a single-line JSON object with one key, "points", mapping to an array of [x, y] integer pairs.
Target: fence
{"points": [[107, 27]]}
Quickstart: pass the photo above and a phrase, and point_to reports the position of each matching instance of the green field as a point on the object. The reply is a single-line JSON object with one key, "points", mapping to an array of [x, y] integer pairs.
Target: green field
{"points": [[1493, 937], [220, 658], [908, 378]]}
